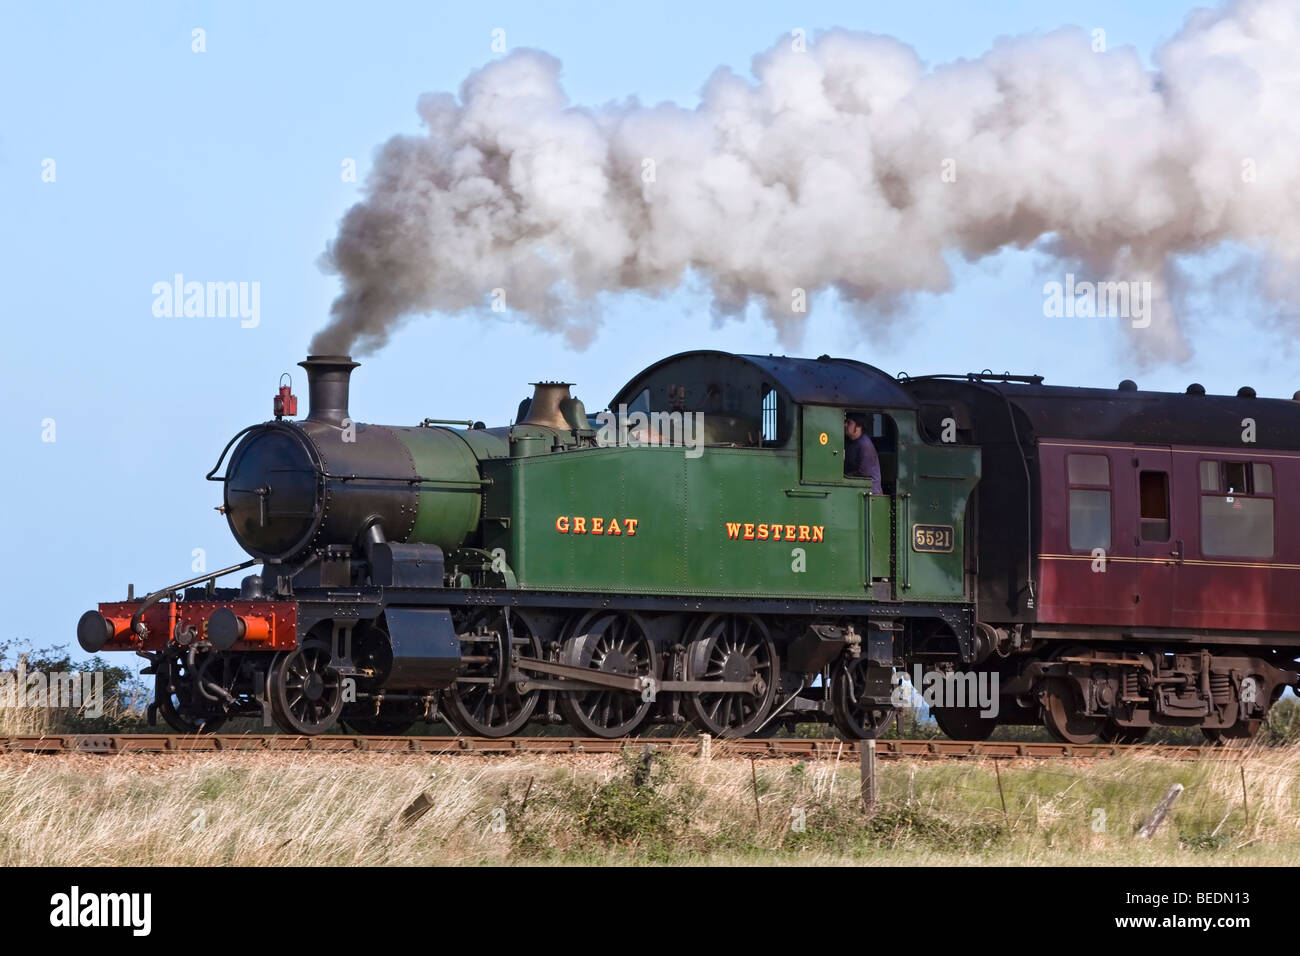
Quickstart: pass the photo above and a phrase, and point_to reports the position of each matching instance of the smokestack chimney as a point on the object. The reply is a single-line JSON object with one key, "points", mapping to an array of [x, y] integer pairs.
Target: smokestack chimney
{"points": [[327, 384], [544, 408]]}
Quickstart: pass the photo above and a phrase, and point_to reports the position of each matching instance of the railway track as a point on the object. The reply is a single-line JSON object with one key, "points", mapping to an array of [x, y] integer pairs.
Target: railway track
{"points": [[692, 746]]}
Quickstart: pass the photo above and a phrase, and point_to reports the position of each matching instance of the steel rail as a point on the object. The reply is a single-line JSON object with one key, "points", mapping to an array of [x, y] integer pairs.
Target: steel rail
{"points": [[821, 748]]}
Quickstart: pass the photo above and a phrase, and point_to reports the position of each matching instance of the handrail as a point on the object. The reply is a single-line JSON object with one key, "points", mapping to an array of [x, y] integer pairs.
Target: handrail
{"points": [[137, 619], [224, 451]]}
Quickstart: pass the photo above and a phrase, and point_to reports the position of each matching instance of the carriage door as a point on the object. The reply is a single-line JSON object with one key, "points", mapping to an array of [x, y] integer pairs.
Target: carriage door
{"points": [[1157, 537]]}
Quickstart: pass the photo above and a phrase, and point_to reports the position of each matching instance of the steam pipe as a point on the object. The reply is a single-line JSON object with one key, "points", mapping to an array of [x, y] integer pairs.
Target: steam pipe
{"points": [[372, 537]]}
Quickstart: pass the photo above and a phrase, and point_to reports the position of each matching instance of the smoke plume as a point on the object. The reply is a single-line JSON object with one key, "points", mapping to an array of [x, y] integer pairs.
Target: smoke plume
{"points": [[845, 164]]}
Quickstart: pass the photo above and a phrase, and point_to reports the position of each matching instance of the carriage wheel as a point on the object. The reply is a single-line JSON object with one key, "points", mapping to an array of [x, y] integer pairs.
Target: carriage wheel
{"points": [[731, 647], [482, 706], [179, 700], [613, 643], [1062, 717], [306, 691]]}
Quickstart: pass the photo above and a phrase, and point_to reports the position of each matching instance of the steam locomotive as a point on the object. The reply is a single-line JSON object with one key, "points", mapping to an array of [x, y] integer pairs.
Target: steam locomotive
{"points": [[1109, 561]]}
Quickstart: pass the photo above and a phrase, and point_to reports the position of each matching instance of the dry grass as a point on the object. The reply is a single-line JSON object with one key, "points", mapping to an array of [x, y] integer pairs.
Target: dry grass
{"points": [[271, 809], [117, 716], [25, 721], [119, 711]]}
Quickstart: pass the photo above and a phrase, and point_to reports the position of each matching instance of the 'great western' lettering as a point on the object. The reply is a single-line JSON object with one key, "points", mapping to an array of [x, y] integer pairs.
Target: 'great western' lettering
{"points": [[743, 531]]}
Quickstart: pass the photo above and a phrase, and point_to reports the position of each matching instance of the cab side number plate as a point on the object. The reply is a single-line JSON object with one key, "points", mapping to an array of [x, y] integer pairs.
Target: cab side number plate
{"points": [[936, 538]]}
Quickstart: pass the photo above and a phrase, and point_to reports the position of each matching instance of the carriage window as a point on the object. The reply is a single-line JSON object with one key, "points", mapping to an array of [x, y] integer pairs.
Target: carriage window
{"points": [[769, 415], [1089, 519], [1236, 527], [1243, 477], [1153, 489], [1237, 476], [1209, 476], [1263, 475], [1089, 505], [1088, 469], [1237, 513]]}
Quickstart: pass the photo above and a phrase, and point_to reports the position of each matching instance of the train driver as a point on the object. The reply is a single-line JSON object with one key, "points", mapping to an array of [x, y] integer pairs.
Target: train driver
{"points": [[860, 458]]}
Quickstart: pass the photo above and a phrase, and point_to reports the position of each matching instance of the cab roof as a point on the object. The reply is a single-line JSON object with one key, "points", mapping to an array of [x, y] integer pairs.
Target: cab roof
{"points": [[821, 381]]}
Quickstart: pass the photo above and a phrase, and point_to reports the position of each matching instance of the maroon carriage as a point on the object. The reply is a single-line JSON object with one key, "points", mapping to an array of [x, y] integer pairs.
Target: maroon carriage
{"points": [[1134, 560]]}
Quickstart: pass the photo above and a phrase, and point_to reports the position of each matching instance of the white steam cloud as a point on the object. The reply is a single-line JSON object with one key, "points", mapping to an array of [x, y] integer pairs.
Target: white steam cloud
{"points": [[847, 165]]}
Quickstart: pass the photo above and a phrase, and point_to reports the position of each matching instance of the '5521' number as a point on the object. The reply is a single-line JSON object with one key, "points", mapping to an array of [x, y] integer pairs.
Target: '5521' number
{"points": [[937, 538]]}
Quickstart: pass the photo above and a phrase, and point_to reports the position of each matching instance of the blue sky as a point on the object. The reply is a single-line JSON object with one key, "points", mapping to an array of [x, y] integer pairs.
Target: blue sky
{"points": [[226, 166]]}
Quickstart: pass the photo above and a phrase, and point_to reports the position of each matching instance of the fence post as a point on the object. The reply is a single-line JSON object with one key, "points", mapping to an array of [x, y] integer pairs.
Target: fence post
{"points": [[1148, 829], [867, 749], [1245, 804], [1001, 795]]}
